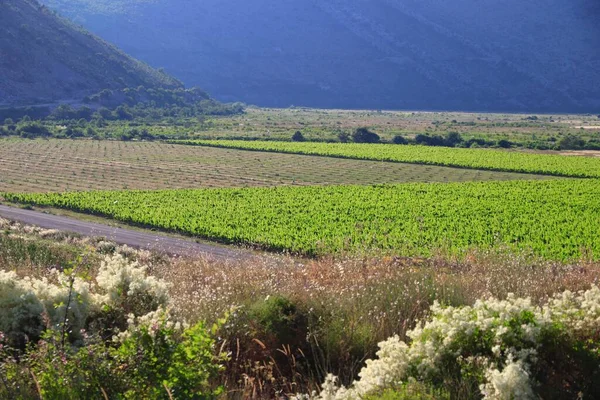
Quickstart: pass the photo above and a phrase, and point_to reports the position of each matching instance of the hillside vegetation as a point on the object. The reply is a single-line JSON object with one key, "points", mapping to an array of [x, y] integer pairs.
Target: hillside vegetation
{"points": [[45, 58], [395, 54]]}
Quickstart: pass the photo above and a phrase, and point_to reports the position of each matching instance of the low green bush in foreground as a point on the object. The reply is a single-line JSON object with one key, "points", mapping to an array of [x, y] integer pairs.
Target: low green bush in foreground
{"points": [[64, 337]]}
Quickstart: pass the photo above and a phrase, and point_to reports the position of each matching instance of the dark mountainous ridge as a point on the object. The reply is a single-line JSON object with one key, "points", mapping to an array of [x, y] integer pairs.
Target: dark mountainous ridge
{"points": [[46, 58], [513, 55]]}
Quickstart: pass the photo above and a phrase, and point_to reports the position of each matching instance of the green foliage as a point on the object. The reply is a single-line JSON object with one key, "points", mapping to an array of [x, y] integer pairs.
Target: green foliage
{"points": [[363, 135], [496, 160], [281, 319], [32, 130], [77, 348], [298, 137], [399, 139], [554, 218], [344, 137], [495, 349], [411, 391], [15, 252], [571, 142], [155, 360]]}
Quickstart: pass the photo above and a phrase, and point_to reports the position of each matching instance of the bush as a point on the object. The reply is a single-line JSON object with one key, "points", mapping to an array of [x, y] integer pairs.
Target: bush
{"points": [[505, 144], [426, 140], [151, 355], [343, 137], [298, 137], [363, 135], [411, 391], [280, 321], [28, 306], [496, 349], [452, 139], [154, 359], [399, 139], [571, 142], [32, 130]]}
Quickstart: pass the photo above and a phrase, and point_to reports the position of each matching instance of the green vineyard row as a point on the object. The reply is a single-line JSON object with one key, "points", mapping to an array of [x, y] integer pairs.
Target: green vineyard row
{"points": [[496, 160], [556, 219]]}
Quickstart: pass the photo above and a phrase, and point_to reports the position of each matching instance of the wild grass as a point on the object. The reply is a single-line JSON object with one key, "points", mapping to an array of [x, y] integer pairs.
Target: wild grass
{"points": [[341, 308], [292, 321]]}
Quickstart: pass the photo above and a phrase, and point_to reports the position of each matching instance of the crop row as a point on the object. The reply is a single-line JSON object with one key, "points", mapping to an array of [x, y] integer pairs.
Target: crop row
{"points": [[556, 219], [496, 160]]}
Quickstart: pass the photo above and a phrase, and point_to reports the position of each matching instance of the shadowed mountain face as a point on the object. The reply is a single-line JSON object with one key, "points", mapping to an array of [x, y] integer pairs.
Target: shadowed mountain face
{"points": [[45, 58], [513, 55]]}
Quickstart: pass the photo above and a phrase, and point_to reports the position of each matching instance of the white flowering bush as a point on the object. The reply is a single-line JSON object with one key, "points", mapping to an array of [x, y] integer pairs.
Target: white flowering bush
{"points": [[126, 286], [28, 305], [20, 309], [502, 349], [64, 301]]}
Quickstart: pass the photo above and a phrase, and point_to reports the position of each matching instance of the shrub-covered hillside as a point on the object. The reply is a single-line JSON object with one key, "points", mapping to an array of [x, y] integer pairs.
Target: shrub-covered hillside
{"points": [[519, 55], [44, 58]]}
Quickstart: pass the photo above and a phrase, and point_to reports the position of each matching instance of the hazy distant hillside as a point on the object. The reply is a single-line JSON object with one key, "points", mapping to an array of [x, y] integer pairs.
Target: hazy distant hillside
{"points": [[460, 54], [45, 58]]}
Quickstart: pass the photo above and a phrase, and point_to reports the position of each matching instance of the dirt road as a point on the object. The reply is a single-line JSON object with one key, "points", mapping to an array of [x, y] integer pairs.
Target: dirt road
{"points": [[133, 238]]}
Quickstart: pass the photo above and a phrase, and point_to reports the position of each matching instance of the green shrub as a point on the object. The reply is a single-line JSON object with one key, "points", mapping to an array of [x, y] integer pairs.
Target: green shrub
{"points": [[298, 137], [363, 135], [411, 391], [280, 320], [154, 359], [399, 139]]}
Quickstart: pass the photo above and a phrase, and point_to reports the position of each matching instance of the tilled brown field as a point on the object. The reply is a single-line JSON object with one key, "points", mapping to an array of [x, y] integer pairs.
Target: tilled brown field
{"points": [[61, 165]]}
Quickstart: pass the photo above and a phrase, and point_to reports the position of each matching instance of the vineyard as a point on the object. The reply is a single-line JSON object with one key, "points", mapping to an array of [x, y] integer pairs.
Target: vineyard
{"points": [[556, 219], [495, 160], [69, 165]]}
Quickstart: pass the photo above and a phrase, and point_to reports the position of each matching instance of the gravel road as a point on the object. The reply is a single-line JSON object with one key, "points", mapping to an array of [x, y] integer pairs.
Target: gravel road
{"points": [[142, 240]]}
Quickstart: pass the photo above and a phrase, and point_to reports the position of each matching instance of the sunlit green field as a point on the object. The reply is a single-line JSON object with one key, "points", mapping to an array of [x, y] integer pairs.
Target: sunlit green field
{"points": [[556, 219]]}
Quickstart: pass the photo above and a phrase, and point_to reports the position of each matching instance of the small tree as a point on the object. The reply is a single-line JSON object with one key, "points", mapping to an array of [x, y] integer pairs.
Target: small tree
{"points": [[399, 139], [505, 144], [363, 135], [8, 121], [344, 137], [571, 142], [452, 139], [298, 137]]}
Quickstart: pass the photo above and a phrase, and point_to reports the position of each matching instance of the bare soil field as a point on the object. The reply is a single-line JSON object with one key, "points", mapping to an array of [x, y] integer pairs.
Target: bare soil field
{"points": [[68, 165]]}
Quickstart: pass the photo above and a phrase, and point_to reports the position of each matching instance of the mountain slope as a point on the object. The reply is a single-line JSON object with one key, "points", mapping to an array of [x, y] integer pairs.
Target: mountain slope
{"points": [[517, 55], [45, 58]]}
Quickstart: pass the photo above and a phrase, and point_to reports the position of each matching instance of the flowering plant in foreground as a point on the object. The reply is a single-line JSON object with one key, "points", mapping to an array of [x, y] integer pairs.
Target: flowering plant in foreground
{"points": [[64, 337], [28, 305], [496, 346]]}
